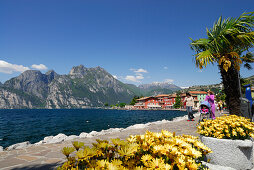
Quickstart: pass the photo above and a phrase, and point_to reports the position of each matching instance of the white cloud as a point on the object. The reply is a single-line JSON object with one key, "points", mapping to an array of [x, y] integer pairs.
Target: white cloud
{"points": [[39, 67], [168, 80], [141, 70], [9, 68], [139, 77], [165, 68], [131, 78]]}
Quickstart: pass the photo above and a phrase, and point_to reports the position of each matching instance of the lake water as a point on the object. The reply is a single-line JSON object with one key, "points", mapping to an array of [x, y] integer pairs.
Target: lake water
{"points": [[19, 125]]}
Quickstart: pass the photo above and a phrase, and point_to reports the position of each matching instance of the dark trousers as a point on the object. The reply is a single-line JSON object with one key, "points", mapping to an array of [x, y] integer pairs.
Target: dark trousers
{"points": [[189, 111]]}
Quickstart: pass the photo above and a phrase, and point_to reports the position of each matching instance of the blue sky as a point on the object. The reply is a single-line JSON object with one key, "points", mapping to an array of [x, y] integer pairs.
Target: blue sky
{"points": [[138, 41]]}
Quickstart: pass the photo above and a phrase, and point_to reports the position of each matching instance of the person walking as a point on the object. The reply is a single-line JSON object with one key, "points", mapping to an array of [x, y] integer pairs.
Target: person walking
{"points": [[210, 98], [221, 106], [189, 105]]}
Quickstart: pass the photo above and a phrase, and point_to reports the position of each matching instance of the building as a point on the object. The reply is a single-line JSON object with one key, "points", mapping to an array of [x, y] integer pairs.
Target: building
{"points": [[164, 101], [167, 101], [200, 96], [147, 103]]}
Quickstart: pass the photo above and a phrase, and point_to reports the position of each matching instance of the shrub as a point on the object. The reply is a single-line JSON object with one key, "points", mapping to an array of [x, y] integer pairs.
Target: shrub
{"points": [[227, 127], [149, 151]]}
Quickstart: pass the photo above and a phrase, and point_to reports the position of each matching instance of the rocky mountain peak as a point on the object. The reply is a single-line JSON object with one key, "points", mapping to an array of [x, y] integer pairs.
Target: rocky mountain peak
{"points": [[30, 75], [78, 70], [30, 81], [51, 74]]}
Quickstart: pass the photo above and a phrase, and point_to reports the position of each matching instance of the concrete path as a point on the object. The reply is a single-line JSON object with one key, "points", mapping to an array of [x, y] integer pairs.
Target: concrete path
{"points": [[48, 156]]}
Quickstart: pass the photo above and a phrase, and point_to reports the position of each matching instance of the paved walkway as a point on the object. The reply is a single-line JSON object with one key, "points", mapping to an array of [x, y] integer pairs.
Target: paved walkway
{"points": [[48, 156]]}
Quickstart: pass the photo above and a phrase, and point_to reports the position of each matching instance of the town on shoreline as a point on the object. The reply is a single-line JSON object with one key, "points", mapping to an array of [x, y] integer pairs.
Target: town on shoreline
{"points": [[167, 101]]}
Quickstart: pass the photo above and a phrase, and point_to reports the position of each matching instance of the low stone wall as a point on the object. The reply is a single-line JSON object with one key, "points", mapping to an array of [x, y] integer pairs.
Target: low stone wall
{"points": [[237, 154]]}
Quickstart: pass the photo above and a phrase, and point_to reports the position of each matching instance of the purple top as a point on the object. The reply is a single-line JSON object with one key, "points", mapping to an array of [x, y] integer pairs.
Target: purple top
{"points": [[210, 100]]}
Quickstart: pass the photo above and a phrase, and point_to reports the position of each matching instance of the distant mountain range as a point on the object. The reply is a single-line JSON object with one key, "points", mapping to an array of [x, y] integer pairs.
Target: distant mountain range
{"points": [[82, 87]]}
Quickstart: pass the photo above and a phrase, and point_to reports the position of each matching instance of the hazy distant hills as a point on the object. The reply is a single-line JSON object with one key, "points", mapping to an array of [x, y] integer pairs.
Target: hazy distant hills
{"points": [[82, 87], [251, 78], [158, 88]]}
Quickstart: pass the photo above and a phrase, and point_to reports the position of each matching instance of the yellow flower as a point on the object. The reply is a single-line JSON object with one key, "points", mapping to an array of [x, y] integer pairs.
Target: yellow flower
{"points": [[139, 168], [157, 148], [166, 133], [118, 142], [102, 163], [112, 167], [167, 167], [234, 133], [132, 139], [180, 162], [67, 151], [157, 163], [77, 145], [116, 162], [128, 150], [146, 159]]}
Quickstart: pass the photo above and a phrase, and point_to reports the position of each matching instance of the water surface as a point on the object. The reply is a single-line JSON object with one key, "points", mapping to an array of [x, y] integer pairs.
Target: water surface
{"points": [[19, 125]]}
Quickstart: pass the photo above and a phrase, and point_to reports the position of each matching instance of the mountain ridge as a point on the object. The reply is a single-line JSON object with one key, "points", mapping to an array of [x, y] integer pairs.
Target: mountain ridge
{"points": [[81, 88]]}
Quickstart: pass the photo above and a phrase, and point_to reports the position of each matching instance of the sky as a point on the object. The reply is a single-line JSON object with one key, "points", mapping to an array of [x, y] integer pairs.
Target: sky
{"points": [[137, 41]]}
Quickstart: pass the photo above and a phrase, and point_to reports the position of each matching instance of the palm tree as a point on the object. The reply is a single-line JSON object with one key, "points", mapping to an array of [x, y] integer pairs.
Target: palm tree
{"points": [[225, 43]]}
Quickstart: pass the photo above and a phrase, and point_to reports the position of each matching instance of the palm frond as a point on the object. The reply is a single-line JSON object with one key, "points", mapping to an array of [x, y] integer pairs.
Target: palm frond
{"points": [[204, 58]]}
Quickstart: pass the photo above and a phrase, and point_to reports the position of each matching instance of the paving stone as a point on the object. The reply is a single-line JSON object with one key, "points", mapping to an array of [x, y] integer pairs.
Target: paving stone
{"points": [[11, 162], [34, 149], [27, 158], [42, 153], [53, 160], [54, 155], [3, 154], [23, 151]]}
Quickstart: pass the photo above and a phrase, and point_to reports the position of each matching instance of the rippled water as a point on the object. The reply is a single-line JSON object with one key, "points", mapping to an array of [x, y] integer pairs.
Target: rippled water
{"points": [[33, 125]]}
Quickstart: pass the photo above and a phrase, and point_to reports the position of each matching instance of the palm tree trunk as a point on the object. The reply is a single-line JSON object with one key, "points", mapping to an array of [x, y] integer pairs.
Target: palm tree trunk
{"points": [[230, 80]]}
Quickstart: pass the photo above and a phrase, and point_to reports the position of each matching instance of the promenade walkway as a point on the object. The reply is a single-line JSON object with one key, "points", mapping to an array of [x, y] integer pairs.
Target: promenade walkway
{"points": [[48, 156]]}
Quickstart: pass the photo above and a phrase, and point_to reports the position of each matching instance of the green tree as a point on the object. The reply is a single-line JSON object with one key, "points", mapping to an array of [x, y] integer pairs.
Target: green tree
{"points": [[244, 82], [122, 105], [106, 104], [178, 102], [134, 100], [224, 45]]}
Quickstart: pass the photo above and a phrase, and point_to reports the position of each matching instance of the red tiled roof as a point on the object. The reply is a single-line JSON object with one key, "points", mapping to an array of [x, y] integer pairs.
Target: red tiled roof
{"points": [[162, 95], [198, 92], [144, 98]]}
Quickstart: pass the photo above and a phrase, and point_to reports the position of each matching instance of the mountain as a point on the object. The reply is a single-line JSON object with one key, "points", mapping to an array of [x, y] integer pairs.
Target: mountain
{"points": [[32, 82], [251, 79], [156, 88], [82, 87]]}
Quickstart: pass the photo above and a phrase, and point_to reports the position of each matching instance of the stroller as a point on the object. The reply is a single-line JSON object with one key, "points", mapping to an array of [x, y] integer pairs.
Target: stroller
{"points": [[205, 111]]}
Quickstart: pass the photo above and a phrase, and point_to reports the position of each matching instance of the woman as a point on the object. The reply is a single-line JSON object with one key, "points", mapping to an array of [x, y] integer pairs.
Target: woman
{"points": [[210, 98], [189, 104]]}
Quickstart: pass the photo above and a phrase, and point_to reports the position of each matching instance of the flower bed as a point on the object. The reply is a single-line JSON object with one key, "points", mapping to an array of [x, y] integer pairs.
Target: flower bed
{"points": [[229, 137], [149, 151]]}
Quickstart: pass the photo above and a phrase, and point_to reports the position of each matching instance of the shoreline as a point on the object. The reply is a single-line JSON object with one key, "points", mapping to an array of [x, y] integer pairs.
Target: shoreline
{"points": [[62, 137]]}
